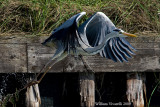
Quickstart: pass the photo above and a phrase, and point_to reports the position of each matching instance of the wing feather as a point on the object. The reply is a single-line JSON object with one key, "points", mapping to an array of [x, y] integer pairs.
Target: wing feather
{"points": [[110, 53], [122, 49], [96, 26], [105, 53], [113, 50], [116, 50], [66, 34], [125, 47], [119, 52], [95, 29], [127, 43]]}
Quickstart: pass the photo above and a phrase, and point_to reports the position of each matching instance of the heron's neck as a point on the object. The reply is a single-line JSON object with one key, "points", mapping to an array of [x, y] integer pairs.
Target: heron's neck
{"points": [[100, 47], [96, 49]]}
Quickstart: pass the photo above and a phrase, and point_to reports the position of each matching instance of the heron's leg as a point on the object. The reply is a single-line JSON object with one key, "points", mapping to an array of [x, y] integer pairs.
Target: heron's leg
{"points": [[48, 66], [59, 58], [88, 68], [45, 66], [57, 54]]}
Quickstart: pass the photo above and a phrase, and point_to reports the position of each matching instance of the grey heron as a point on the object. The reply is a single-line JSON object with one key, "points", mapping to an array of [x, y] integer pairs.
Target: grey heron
{"points": [[97, 35]]}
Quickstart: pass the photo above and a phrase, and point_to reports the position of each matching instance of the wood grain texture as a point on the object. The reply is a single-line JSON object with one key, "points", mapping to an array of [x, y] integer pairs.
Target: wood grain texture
{"points": [[13, 58], [87, 89], [33, 98], [135, 89], [31, 56]]}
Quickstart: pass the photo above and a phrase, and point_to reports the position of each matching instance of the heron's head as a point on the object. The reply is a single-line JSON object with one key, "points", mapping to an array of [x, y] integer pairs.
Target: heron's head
{"points": [[121, 33]]}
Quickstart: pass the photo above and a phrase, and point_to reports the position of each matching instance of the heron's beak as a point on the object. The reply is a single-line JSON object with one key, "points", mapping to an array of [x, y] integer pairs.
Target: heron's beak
{"points": [[128, 34]]}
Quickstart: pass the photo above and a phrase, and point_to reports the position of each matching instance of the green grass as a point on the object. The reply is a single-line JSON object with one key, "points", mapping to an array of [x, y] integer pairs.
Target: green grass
{"points": [[153, 91], [42, 16]]}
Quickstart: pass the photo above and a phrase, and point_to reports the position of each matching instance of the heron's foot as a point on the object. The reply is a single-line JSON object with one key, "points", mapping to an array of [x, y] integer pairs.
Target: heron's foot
{"points": [[35, 82], [32, 83]]}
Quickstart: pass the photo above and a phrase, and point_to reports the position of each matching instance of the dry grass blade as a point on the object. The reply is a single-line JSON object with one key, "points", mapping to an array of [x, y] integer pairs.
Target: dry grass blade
{"points": [[42, 16]]}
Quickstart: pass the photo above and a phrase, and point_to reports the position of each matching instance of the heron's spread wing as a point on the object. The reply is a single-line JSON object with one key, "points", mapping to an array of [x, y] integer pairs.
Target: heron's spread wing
{"points": [[70, 22], [93, 32], [90, 36], [65, 34], [117, 49]]}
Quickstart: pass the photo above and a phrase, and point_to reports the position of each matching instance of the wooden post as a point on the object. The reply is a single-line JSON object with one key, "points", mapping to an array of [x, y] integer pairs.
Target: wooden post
{"points": [[87, 89], [136, 88], [33, 96]]}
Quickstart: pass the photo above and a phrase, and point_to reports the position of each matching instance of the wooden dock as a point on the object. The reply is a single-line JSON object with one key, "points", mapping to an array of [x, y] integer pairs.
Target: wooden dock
{"points": [[25, 54]]}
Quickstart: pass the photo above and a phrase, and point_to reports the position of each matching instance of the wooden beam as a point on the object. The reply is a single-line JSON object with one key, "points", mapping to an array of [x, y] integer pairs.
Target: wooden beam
{"points": [[13, 58], [87, 89], [146, 58], [136, 89], [25, 53]]}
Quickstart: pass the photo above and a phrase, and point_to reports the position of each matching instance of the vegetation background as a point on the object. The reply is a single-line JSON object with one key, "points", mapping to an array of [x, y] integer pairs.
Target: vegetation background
{"points": [[42, 16]]}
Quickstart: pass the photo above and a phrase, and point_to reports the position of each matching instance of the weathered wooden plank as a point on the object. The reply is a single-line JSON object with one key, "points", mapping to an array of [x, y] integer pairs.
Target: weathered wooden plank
{"points": [[39, 55], [143, 39], [40, 39], [13, 58], [147, 58], [22, 39]]}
